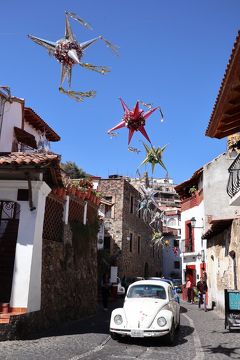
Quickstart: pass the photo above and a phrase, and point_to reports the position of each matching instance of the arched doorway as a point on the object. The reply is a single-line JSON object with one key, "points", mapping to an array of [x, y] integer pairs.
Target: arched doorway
{"points": [[9, 221]]}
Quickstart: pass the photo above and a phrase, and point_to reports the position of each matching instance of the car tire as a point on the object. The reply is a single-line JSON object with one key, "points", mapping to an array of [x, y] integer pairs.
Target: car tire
{"points": [[115, 336], [169, 338], [179, 322]]}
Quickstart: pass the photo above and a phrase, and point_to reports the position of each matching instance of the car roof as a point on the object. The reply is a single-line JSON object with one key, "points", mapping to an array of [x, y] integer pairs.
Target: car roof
{"points": [[151, 282], [169, 281]]}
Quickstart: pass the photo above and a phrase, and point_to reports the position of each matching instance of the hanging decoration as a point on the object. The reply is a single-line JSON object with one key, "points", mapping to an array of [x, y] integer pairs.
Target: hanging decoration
{"points": [[133, 149], [147, 203], [134, 120], [154, 156], [157, 238], [156, 220], [69, 52]]}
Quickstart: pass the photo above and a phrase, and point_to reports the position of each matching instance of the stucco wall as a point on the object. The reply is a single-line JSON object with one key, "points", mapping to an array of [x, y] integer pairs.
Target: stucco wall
{"points": [[12, 117], [216, 199], [199, 244]]}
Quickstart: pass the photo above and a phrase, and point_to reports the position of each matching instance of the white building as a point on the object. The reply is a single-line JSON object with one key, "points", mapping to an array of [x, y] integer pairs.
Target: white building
{"points": [[27, 174], [193, 247]]}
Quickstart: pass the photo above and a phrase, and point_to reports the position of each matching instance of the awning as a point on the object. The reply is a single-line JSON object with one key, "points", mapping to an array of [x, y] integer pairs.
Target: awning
{"points": [[217, 226]]}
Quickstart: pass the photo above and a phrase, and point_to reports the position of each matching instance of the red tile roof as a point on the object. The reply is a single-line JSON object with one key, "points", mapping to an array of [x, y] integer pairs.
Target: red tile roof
{"points": [[32, 159], [222, 123], [181, 187], [33, 119], [47, 162]]}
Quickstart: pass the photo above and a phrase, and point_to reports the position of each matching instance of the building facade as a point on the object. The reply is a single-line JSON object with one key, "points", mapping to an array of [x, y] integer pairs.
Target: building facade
{"points": [[48, 229], [223, 232], [193, 248], [127, 238], [169, 203]]}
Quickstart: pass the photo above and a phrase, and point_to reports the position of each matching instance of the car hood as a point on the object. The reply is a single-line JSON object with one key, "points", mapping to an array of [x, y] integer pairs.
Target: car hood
{"points": [[140, 313]]}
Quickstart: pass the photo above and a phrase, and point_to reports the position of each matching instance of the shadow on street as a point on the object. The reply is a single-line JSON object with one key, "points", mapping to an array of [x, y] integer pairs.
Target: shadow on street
{"points": [[221, 349], [97, 323]]}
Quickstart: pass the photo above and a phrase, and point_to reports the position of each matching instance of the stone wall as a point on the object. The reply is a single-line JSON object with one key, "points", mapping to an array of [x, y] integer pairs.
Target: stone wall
{"points": [[220, 264], [69, 272], [69, 280], [122, 223]]}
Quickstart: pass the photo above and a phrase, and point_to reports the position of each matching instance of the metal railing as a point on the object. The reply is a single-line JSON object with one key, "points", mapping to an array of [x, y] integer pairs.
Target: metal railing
{"points": [[187, 246], [233, 186]]}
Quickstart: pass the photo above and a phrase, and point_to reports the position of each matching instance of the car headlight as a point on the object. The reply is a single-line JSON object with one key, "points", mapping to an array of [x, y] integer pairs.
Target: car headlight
{"points": [[161, 321], [118, 319]]}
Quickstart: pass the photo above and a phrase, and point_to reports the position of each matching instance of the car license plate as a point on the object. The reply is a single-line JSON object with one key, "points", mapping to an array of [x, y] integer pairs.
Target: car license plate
{"points": [[137, 333]]}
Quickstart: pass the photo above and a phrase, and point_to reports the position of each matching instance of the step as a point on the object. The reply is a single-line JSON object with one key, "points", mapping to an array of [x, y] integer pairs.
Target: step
{"points": [[4, 316]]}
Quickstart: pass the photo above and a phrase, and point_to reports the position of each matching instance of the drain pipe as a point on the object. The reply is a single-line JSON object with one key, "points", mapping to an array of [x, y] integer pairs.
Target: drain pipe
{"points": [[31, 206]]}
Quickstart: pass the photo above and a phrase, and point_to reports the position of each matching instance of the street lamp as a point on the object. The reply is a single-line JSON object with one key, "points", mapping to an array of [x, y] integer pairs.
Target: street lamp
{"points": [[193, 223]]}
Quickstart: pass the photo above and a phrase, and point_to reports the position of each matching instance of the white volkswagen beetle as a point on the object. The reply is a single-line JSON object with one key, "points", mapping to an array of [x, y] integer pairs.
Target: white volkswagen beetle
{"points": [[149, 310]]}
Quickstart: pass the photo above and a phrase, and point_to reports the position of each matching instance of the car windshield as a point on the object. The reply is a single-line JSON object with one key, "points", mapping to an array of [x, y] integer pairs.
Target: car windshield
{"points": [[147, 291]]}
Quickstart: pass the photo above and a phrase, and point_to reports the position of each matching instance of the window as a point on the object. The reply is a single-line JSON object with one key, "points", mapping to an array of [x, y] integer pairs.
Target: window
{"points": [[176, 264], [131, 204], [171, 222], [176, 243], [189, 242], [23, 195], [108, 208], [147, 291], [139, 244], [131, 242]]}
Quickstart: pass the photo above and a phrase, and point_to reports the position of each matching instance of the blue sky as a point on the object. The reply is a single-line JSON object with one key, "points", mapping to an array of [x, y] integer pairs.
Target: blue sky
{"points": [[172, 53]]}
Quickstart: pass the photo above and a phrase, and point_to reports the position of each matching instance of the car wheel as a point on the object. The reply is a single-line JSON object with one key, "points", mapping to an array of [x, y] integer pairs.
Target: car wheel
{"points": [[178, 325], [169, 338], [115, 336]]}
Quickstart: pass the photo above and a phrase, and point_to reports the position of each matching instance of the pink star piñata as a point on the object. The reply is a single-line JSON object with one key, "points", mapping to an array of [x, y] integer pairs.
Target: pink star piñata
{"points": [[134, 120]]}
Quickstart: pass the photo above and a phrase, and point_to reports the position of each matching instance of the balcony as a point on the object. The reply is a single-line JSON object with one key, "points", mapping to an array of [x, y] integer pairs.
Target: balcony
{"points": [[233, 186], [188, 249]]}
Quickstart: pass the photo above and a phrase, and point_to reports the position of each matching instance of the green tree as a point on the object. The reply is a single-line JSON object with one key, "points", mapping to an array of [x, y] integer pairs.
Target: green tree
{"points": [[75, 172]]}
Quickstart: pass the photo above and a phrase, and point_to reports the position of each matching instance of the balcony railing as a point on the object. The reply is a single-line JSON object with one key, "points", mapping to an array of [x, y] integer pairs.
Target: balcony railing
{"points": [[233, 185], [187, 246]]}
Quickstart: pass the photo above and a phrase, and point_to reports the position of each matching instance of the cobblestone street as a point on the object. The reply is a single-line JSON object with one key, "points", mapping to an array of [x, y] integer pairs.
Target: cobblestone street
{"points": [[201, 336]]}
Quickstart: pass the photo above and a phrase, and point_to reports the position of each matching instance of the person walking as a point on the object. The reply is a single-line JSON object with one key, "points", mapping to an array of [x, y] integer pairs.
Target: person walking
{"points": [[189, 288], [105, 287], [202, 290]]}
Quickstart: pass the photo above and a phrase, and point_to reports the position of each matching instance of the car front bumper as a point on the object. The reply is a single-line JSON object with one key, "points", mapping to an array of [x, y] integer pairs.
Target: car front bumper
{"points": [[140, 333]]}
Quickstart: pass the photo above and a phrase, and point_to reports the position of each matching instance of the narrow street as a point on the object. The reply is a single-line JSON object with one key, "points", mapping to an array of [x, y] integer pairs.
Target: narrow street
{"points": [[201, 336]]}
